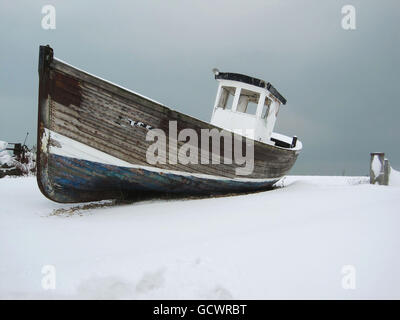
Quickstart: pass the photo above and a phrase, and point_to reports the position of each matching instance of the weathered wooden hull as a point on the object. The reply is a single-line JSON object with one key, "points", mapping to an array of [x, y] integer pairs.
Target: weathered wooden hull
{"points": [[82, 177], [89, 150]]}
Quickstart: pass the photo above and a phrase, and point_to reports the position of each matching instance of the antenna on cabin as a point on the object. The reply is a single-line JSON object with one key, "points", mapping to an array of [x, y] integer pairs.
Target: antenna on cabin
{"points": [[26, 137], [215, 71]]}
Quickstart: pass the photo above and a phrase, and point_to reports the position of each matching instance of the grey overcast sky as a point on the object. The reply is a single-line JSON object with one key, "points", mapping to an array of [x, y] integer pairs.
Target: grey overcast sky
{"points": [[342, 85]]}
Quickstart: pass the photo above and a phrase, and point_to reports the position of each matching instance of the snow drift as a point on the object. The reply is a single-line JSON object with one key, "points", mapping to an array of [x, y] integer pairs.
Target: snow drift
{"points": [[394, 177]]}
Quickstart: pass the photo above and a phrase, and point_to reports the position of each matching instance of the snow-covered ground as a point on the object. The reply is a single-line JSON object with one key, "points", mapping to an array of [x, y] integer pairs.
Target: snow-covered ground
{"points": [[313, 238]]}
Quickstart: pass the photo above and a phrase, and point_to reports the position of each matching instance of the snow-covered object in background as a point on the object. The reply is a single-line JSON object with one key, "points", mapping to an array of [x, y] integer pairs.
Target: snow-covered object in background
{"points": [[3, 145], [28, 167], [394, 177], [5, 158], [376, 166], [24, 163]]}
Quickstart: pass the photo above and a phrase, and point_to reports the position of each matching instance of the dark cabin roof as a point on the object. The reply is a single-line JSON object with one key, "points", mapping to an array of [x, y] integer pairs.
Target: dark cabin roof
{"points": [[252, 81]]}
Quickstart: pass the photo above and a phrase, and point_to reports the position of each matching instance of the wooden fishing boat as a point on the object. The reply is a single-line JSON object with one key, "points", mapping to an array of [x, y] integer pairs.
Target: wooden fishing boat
{"points": [[98, 140]]}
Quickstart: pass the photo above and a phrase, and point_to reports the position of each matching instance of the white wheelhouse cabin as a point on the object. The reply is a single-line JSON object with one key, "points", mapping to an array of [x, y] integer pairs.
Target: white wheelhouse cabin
{"points": [[244, 103]]}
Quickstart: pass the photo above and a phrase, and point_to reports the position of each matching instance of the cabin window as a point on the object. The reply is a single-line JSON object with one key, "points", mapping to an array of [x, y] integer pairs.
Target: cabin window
{"points": [[265, 109], [226, 99], [248, 102]]}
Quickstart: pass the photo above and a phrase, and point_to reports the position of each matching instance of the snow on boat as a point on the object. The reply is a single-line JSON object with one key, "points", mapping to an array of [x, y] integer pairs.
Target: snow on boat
{"points": [[98, 140]]}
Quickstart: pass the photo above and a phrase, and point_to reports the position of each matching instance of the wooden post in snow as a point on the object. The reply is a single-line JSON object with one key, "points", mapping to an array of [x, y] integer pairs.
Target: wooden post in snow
{"points": [[379, 169], [386, 172]]}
